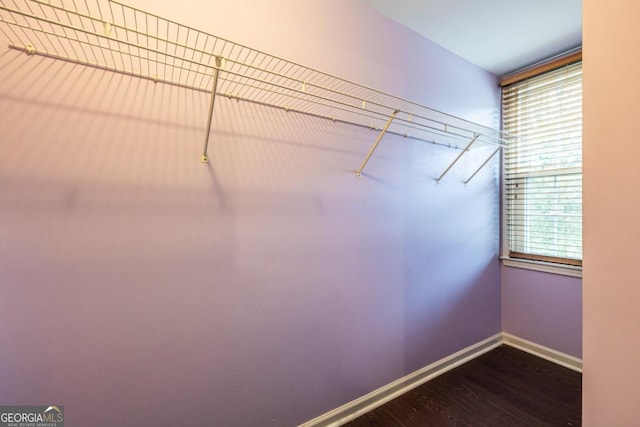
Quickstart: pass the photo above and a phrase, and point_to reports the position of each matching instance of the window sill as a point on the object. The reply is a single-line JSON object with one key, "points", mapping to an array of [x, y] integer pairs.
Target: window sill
{"points": [[546, 267]]}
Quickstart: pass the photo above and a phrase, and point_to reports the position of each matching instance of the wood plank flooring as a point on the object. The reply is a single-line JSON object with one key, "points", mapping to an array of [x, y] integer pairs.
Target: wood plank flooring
{"points": [[505, 387]]}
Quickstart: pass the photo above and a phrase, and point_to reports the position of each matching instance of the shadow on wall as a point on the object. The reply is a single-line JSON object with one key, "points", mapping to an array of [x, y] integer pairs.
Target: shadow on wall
{"points": [[256, 287]]}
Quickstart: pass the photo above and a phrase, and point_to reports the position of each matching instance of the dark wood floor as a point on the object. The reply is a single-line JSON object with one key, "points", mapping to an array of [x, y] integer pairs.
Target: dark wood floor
{"points": [[505, 387]]}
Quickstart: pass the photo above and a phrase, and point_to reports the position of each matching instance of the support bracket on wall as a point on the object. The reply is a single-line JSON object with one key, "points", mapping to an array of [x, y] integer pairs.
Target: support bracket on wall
{"points": [[375, 144], [483, 164], [214, 89], [462, 153]]}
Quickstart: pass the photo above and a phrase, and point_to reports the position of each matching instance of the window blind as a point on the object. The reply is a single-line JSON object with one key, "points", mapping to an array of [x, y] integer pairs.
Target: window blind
{"points": [[543, 167]]}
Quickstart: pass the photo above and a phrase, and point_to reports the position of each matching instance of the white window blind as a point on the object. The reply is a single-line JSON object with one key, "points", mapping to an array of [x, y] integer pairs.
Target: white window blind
{"points": [[543, 168]]}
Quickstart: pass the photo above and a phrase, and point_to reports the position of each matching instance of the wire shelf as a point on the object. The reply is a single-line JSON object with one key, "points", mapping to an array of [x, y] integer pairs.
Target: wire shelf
{"points": [[112, 36]]}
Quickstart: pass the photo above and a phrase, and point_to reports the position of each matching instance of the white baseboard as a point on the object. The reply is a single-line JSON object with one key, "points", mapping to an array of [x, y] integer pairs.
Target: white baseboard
{"points": [[379, 397], [547, 353]]}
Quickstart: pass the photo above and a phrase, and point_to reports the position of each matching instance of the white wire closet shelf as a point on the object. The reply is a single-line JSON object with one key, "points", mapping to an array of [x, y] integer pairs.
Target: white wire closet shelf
{"points": [[112, 36]]}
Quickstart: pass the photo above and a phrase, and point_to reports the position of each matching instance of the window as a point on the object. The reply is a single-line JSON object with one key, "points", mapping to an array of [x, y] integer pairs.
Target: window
{"points": [[543, 167]]}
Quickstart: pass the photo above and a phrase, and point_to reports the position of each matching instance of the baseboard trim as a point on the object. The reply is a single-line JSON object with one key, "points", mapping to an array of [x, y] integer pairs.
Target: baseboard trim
{"points": [[379, 397], [543, 352], [384, 394]]}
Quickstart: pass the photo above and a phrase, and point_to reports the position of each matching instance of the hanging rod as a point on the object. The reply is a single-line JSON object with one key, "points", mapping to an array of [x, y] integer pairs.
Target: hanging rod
{"points": [[112, 36]]}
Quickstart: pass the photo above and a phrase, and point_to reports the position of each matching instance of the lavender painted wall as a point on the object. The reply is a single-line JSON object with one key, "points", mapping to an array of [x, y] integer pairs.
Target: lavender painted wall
{"points": [[141, 287], [543, 308]]}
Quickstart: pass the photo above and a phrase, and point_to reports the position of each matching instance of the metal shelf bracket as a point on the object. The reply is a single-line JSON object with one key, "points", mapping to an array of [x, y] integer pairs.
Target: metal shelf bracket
{"points": [[483, 165], [214, 89], [375, 144], [462, 153]]}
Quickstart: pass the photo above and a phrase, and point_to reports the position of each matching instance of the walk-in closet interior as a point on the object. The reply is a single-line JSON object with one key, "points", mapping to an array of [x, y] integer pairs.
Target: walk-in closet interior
{"points": [[248, 213]]}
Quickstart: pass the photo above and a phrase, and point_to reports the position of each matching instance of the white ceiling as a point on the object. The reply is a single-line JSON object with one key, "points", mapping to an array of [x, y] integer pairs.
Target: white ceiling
{"points": [[498, 35]]}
